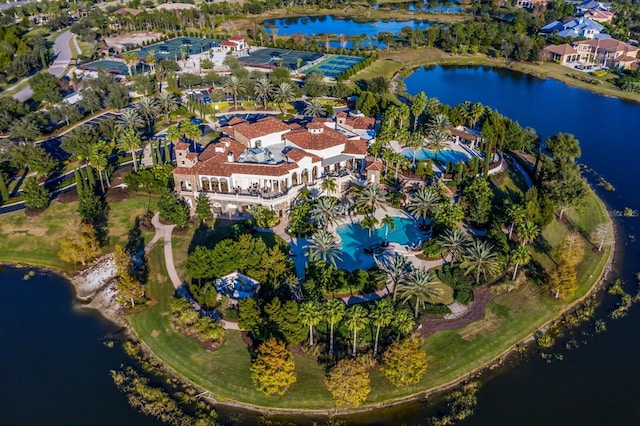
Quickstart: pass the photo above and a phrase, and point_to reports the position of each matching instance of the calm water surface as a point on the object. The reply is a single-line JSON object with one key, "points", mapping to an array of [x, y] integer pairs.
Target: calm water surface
{"points": [[327, 24]]}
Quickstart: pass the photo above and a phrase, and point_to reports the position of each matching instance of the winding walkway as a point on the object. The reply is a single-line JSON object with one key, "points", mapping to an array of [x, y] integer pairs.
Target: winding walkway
{"points": [[164, 232]]}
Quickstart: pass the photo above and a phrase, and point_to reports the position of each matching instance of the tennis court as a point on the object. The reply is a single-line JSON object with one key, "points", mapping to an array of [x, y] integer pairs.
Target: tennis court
{"points": [[272, 58], [172, 49], [335, 65], [113, 67]]}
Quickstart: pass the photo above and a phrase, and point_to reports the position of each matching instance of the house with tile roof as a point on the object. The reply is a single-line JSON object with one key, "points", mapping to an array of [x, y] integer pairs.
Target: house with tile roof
{"points": [[608, 53], [267, 162], [234, 44], [599, 15]]}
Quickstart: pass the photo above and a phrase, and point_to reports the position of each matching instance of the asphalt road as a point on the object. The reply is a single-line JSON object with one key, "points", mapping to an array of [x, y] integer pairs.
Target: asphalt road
{"points": [[62, 54]]}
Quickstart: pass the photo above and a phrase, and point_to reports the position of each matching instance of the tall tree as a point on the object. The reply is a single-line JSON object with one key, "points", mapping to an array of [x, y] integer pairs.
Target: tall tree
{"points": [[35, 196], [563, 280], [356, 320], [203, 208], [371, 198], [167, 102], [453, 242], [79, 244], [130, 119], [601, 235], [333, 312], [423, 202], [326, 211], [381, 315], [273, 370], [235, 87], [480, 257], [348, 383], [310, 316], [324, 246], [388, 224], [417, 108], [130, 141], [423, 286], [404, 363], [263, 90], [527, 231], [520, 256], [282, 94], [397, 268]]}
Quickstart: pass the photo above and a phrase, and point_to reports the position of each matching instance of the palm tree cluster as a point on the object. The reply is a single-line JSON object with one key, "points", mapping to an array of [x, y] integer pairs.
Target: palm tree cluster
{"points": [[380, 315]]}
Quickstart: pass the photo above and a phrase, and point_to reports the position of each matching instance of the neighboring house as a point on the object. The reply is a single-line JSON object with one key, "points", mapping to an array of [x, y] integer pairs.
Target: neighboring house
{"points": [[599, 16], [127, 11], [266, 163], [587, 5], [530, 4], [609, 53], [575, 28], [234, 44]]}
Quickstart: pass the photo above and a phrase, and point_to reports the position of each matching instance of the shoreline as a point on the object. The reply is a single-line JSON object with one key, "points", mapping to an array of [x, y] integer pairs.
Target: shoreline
{"points": [[92, 290]]}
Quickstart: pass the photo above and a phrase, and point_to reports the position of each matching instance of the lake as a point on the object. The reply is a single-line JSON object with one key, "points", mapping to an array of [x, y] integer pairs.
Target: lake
{"points": [[327, 24], [55, 365], [424, 6]]}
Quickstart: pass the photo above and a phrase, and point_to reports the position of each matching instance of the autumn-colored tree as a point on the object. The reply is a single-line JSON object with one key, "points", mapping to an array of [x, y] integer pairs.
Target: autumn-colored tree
{"points": [[563, 280], [348, 383], [79, 244], [122, 260], [273, 371], [129, 290], [405, 362]]}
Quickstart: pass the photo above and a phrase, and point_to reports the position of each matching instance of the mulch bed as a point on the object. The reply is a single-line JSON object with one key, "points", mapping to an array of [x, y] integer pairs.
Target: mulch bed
{"points": [[68, 197], [116, 195], [246, 338], [474, 313]]}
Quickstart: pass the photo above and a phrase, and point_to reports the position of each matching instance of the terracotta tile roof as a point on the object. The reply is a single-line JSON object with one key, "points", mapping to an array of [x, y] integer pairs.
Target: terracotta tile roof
{"points": [[315, 125], [127, 10], [462, 134], [321, 120], [599, 15], [316, 141], [561, 49], [235, 120], [236, 38], [261, 128], [181, 146], [341, 114], [297, 154], [375, 165], [361, 123], [627, 58], [192, 156], [611, 45], [355, 147]]}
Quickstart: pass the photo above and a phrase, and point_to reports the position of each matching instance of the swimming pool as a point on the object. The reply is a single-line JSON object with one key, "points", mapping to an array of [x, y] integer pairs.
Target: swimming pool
{"points": [[445, 156], [353, 241], [354, 238]]}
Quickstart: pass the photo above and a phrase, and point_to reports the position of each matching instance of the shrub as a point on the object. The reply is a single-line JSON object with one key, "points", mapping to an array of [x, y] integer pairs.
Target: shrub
{"points": [[464, 295], [431, 249]]}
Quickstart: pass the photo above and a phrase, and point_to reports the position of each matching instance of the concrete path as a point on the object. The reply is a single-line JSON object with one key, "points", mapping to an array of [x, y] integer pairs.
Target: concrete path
{"points": [[62, 53], [164, 232]]}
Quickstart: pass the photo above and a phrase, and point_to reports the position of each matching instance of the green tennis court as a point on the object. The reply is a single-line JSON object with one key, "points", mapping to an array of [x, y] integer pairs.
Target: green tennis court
{"points": [[271, 58], [335, 65]]}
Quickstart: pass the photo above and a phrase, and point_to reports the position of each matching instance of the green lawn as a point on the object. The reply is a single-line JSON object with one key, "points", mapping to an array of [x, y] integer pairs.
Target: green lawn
{"points": [[35, 240]]}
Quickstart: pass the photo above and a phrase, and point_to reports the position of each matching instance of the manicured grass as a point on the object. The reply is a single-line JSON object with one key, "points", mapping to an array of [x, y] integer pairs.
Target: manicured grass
{"points": [[35, 240], [225, 372], [452, 355]]}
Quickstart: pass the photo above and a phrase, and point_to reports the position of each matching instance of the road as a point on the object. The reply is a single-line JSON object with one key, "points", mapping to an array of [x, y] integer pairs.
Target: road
{"points": [[62, 54]]}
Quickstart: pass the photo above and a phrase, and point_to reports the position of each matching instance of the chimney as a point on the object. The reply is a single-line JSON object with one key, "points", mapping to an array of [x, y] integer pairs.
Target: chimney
{"points": [[230, 157]]}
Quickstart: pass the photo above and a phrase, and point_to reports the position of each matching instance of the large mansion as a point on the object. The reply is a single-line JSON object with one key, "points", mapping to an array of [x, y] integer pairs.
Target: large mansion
{"points": [[609, 53], [268, 161]]}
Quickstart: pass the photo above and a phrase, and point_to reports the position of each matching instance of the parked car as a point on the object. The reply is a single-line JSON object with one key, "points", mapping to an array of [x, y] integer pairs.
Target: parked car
{"points": [[196, 121], [207, 100]]}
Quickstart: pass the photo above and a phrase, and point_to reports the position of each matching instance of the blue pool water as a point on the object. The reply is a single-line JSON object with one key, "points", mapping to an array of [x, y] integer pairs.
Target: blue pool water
{"points": [[443, 156], [354, 239]]}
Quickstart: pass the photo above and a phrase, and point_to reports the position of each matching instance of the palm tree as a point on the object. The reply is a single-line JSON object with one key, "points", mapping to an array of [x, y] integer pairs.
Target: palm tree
{"points": [[423, 201], [357, 319], [324, 246], [371, 198], [389, 224], [263, 90], [234, 86], [174, 133], [98, 159], [326, 211], [130, 141], [167, 103], [453, 241], [422, 285], [403, 322], [369, 223], [130, 120], [329, 185], [148, 108], [131, 59], [415, 142], [381, 316], [191, 130], [310, 316], [520, 256], [437, 139], [333, 312], [438, 121], [282, 94], [528, 231], [481, 258], [315, 109], [517, 215], [397, 269]]}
